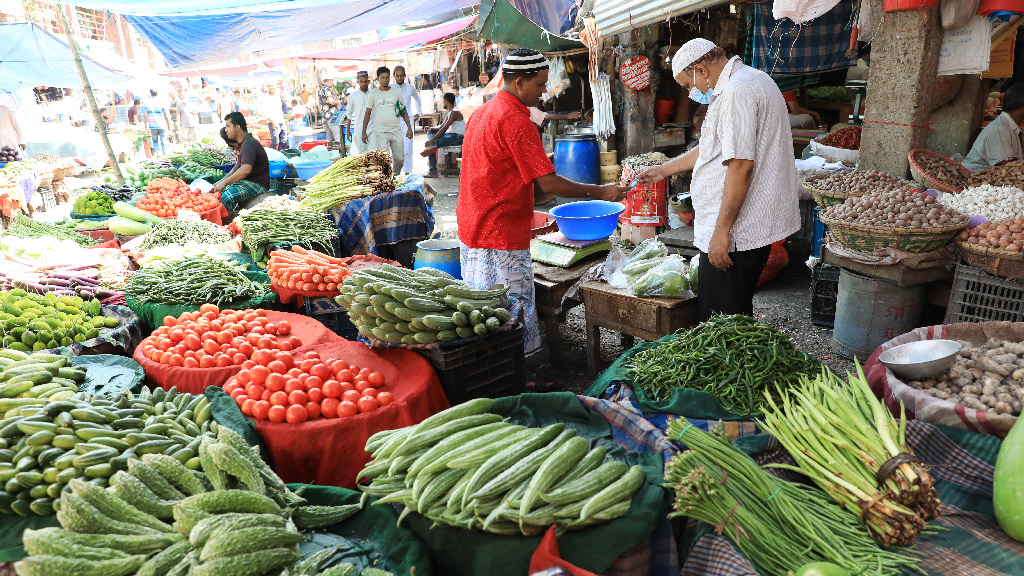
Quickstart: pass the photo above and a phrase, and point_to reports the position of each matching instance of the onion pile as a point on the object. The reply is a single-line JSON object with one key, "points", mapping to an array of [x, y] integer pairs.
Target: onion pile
{"points": [[1004, 235], [992, 202], [857, 182], [942, 170], [902, 208]]}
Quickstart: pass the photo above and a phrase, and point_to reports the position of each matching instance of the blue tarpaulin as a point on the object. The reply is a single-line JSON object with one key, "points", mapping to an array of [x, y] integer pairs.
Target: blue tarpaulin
{"points": [[31, 56]]}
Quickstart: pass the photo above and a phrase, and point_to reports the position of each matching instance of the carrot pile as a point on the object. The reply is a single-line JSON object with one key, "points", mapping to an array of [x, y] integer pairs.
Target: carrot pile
{"points": [[306, 270], [165, 196]]}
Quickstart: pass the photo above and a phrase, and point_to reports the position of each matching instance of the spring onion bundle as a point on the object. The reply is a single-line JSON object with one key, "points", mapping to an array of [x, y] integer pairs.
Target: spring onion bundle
{"points": [[203, 280], [262, 227], [851, 446], [179, 232], [778, 525], [349, 178], [736, 358], [25, 227]]}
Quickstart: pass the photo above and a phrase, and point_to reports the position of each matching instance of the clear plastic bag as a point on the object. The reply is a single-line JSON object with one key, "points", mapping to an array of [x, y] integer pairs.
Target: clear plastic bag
{"points": [[618, 267], [669, 278]]}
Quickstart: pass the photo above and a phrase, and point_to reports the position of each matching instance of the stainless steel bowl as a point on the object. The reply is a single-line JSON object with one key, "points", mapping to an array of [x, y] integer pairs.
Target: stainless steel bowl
{"points": [[923, 359]]}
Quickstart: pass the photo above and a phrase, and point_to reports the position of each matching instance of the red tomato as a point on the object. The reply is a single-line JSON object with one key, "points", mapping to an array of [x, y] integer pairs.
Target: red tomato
{"points": [[329, 407], [315, 395], [177, 335], [285, 346], [191, 363], [367, 404], [266, 395], [313, 382], [254, 391], [294, 341], [211, 347], [177, 360], [249, 316], [258, 374], [297, 397], [292, 385], [307, 365], [209, 308], [236, 342], [238, 359], [332, 389], [230, 386], [339, 365], [277, 414], [294, 373], [223, 361], [207, 362], [372, 392], [322, 371], [313, 409], [192, 342], [351, 396], [275, 382], [244, 377], [240, 399], [345, 376], [354, 370], [256, 329], [263, 357], [277, 367], [271, 328], [279, 398], [190, 354], [362, 385], [303, 377], [376, 379], [284, 328], [224, 337], [216, 324], [285, 357], [346, 409], [248, 364], [247, 406], [246, 348], [252, 339], [296, 414], [364, 373], [385, 398], [164, 344], [311, 355], [265, 343], [170, 321], [260, 409]]}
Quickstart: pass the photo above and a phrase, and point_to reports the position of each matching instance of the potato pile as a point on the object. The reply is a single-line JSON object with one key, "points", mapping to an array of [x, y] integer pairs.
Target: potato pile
{"points": [[942, 170], [1009, 174], [1004, 235], [857, 182], [992, 202], [988, 377], [901, 208]]}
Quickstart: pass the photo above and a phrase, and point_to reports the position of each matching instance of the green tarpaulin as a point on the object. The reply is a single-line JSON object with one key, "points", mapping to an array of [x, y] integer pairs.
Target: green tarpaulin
{"points": [[504, 23]]}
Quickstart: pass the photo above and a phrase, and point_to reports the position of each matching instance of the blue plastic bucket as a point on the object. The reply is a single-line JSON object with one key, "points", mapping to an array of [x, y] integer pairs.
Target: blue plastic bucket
{"points": [[441, 254], [307, 170], [871, 311], [578, 158], [278, 168], [587, 220]]}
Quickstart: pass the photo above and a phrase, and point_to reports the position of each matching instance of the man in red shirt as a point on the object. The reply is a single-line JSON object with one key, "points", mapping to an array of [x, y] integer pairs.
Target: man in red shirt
{"points": [[502, 157]]}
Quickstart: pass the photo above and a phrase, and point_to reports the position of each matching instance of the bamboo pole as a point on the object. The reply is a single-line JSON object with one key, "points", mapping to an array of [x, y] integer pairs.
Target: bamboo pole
{"points": [[101, 124]]}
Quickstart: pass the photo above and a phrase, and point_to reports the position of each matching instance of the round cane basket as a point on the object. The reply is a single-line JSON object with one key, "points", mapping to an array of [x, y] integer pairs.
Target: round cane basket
{"points": [[922, 177], [62, 172], [869, 238], [1001, 263], [825, 198]]}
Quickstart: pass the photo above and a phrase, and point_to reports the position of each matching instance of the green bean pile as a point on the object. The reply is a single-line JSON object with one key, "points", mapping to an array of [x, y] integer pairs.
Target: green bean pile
{"points": [[179, 232], [736, 358], [262, 227], [193, 281], [25, 227]]}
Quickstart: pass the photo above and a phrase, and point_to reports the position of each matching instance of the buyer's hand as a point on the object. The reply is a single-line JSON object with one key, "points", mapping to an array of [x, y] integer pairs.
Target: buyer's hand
{"points": [[653, 175], [613, 192], [718, 251]]}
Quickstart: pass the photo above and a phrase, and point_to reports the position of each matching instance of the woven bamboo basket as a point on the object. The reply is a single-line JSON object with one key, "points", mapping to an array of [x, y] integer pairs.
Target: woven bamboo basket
{"points": [[46, 178], [1001, 263], [870, 238], [62, 172], [826, 198], [925, 179]]}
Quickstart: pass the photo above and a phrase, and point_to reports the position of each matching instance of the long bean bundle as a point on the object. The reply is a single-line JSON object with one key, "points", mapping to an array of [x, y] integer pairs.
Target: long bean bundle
{"points": [[778, 525], [736, 358], [260, 228], [25, 227], [179, 232], [202, 280], [851, 446], [349, 178]]}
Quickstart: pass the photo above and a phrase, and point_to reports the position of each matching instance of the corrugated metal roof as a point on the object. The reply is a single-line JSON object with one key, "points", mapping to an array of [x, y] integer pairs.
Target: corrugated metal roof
{"points": [[615, 16]]}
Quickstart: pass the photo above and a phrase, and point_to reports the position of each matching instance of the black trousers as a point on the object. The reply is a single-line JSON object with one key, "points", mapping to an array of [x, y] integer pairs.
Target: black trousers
{"points": [[730, 291]]}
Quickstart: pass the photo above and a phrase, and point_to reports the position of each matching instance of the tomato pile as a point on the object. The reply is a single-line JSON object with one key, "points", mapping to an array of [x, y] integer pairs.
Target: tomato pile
{"points": [[280, 388], [218, 338], [164, 197]]}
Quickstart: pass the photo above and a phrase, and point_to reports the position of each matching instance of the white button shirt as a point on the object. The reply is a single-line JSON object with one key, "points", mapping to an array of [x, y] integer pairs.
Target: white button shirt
{"points": [[748, 120], [999, 141]]}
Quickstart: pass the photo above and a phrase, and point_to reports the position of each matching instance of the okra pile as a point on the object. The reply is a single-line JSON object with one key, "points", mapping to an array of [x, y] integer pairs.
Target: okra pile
{"points": [[421, 306], [232, 516], [468, 468]]}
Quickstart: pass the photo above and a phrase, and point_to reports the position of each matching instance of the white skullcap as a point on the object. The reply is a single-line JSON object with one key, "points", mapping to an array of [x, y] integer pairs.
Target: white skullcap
{"points": [[689, 53]]}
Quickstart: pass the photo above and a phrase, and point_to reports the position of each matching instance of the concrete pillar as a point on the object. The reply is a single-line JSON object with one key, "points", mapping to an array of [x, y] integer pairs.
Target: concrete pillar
{"points": [[634, 109], [903, 68], [955, 121]]}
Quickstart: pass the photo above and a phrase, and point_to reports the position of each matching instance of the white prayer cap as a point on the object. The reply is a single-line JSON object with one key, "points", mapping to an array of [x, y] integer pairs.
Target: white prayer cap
{"points": [[690, 53]]}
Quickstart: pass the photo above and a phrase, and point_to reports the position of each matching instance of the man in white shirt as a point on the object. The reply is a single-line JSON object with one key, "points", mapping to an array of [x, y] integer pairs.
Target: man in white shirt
{"points": [[270, 109], [10, 131], [187, 119], [1001, 141], [384, 105], [355, 108], [411, 99], [744, 185]]}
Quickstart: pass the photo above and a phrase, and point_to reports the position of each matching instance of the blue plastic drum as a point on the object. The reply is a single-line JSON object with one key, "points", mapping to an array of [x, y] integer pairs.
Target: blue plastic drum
{"points": [[441, 254], [578, 158]]}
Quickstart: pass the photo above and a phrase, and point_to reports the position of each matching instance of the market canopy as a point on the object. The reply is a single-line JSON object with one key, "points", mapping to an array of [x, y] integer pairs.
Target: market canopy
{"points": [[502, 22], [396, 43], [227, 71], [31, 56]]}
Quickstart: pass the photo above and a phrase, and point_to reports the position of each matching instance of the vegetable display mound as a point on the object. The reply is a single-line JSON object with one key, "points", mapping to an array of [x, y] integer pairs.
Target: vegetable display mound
{"points": [[82, 281], [467, 468], [37, 375], [306, 270], [858, 182], [989, 377], [904, 208], [204, 155], [942, 169], [261, 228], [779, 525], [846, 138], [365, 174], [33, 322], [213, 338], [25, 227], [1009, 174], [1002, 235], [849, 444], [646, 160], [164, 197], [280, 387], [740, 361], [94, 203], [992, 202], [193, 281], [181, 232], [228, 514]]}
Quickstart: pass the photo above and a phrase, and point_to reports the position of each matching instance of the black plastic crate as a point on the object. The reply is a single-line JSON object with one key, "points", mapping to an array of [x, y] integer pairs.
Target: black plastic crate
{"points": [[492, 367], [824, 293], [806, 223], [978, 296], [403, 252], [332, 315], [331, 247]]}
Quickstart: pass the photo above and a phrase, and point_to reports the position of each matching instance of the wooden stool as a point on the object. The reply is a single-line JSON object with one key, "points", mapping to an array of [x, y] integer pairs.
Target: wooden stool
{"points": [[451, 163]]}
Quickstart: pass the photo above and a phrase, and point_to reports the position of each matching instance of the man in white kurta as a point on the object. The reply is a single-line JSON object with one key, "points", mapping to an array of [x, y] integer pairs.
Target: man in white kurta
{"points": [[1003, 139], [411, 99], [355, 108]]}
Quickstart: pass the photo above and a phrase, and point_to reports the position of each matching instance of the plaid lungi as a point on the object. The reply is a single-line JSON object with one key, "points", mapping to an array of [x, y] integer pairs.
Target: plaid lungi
{"points": [[234, 195], [483, 268]]}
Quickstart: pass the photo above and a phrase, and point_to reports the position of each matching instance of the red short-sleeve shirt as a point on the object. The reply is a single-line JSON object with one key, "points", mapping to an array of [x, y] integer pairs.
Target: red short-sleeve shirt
{"points": [[502, 155]]}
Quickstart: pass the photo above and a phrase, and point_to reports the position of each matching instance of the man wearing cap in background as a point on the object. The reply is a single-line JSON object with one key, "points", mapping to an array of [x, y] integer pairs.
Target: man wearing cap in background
{"points": [[411, 99], [502, 157], [354, 110], [329, 103], [744, 185]]}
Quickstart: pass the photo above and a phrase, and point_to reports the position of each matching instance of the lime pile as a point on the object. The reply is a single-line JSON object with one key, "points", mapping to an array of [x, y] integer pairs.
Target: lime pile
{"points": [[32, 322], [94, 203]]}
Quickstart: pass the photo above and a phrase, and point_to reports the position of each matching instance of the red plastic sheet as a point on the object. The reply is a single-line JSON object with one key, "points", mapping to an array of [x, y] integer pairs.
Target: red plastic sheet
{"points": [[112, 243], [215, 215], [99, 234], [330, 451], [195, 380], [547, 556]]}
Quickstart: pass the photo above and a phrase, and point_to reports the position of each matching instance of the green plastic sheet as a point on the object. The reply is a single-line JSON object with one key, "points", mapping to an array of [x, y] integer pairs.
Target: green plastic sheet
{"points": [[458, 552], [110, 375], [151, 315], [227, 413]]}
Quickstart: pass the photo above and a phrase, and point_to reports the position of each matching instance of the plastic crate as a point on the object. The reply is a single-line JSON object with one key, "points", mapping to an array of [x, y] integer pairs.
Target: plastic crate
{"points": [[824, 293], [331, 247], [489, 368], [48, 198], [978, 296], [798, 246], [332, 315]]}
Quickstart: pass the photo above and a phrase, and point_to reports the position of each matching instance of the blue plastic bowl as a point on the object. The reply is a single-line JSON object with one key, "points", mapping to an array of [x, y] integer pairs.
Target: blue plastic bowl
{"points": [[307, 170], [278, 168], [587, 220]]}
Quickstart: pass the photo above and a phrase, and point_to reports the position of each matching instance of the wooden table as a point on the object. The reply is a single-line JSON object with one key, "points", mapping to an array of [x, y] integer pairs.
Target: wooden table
{"points": [[679, 241], [647, 318], [549, 295]]}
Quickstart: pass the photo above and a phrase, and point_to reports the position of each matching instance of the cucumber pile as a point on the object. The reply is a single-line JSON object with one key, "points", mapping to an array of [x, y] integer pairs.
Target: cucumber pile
{"points": [[43, 376], [32, 322], [468, 468], [232, 517], [421, 306]]}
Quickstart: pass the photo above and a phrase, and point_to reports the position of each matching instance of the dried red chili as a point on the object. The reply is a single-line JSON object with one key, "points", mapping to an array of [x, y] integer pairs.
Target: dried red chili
{"points": [[846, 138]]}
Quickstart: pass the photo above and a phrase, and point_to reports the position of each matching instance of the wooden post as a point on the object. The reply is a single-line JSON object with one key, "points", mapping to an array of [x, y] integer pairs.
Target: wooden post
{"points": [[101, 124]]}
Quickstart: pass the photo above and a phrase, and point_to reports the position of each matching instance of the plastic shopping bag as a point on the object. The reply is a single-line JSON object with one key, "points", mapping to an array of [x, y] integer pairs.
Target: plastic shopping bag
{"points": [[669, 278], [618, 267]]}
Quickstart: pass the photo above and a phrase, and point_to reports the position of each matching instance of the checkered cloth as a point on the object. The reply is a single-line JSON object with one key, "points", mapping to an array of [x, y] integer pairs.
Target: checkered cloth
{"points": [[405, 214], [234, 195], [782, 47]]}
